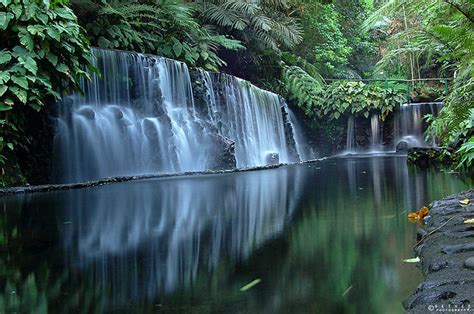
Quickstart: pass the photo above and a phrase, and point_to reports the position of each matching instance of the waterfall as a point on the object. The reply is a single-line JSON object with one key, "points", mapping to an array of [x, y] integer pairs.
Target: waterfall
{"points": [[350, 137], [250, 117], [409, 125], [139, 116], [304, 152], [375, 134]]}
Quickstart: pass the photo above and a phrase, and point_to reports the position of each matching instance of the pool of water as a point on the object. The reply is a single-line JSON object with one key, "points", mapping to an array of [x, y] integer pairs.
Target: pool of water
{"points": [[326, 237]]}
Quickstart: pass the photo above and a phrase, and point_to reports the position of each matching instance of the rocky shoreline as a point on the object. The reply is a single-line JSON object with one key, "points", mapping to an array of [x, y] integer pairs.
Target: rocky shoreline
{"points": [[55, 187], [446, 250]]}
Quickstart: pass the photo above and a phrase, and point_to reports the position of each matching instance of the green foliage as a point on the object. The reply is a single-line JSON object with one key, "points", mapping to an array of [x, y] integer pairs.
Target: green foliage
{"points": [[261, 24], [44, 52], [441, 39], [466, 153], [340, 98], [164, 27]]}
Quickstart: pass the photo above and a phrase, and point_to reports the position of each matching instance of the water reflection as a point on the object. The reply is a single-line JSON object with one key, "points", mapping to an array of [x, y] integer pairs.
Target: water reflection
{"points": [[325, 237]]}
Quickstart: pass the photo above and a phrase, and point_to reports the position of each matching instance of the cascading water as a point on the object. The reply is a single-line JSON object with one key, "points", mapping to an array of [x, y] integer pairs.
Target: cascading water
{"points": [[249, 116], [375, 134], [304, 152], [409, 124], [139, 117], [350, 136]]}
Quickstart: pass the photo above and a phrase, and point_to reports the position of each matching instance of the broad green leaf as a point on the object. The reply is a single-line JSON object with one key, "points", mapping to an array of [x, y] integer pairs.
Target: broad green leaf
{"points": [[65, 13], [5, 56], [62, 68], [4, 77], [20, 81], [52, 58], [5, 2], [29, 63], [5, 19], [4, 106], [10, 145], [20, 93], [3, 89], [17, 9], [54, 33], [27, 41]]}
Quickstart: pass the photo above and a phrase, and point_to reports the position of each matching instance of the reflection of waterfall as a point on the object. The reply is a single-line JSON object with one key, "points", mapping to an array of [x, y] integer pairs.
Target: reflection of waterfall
{"points": [[140, 117], [375, 135], [408, 126], [149, 238], [350, 137]]}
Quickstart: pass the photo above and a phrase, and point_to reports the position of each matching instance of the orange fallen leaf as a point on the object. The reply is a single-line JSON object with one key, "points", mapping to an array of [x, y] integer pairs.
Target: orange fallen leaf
{"points": [[413, 217], [423, 212], [418, 216]]}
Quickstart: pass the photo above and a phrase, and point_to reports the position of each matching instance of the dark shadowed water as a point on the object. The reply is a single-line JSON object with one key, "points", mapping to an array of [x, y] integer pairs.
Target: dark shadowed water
{"points": [[327, 237]]}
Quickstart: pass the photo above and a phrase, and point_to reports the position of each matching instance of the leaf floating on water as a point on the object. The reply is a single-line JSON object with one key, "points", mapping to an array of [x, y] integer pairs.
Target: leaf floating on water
{"points": [[469, 221], [250, 285], [412, 260], [464, 202]]}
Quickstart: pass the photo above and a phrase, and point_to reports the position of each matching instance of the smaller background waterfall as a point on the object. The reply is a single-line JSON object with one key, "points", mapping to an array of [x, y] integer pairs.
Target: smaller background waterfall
{"points": [[350, 137], [409, 124], [141, 117], [375, 133]]}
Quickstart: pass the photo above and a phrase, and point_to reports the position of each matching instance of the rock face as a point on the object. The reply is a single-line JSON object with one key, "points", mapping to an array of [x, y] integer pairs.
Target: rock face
{"points": [[402, 146], [225, 156], [447, 259], [272, 158], [469, 263]]}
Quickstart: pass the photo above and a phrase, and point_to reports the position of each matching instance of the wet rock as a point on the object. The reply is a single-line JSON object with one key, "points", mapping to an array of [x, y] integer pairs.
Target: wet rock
{"points": [[87, 112], [458, 248], [437, 266], [225, 154], [443, 253], [420, 234], [272, 158], [402, 146], [469, 263]]}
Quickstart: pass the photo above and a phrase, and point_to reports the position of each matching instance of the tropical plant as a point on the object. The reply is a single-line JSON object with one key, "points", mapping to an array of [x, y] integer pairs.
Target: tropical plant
{"points": [[263, 24], [443, 39], [466, 153], [341, 97], [43, 53], [164, 27]]}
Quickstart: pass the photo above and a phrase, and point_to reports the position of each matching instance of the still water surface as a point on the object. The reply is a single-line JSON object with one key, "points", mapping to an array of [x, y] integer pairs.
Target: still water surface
{"points": [[327, 237]]}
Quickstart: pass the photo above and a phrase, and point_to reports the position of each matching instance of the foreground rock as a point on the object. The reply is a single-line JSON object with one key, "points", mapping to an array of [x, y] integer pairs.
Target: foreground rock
{"points": [[446, 251]]}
